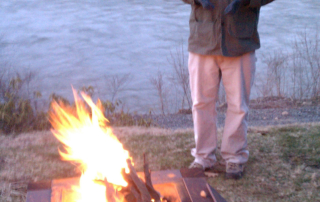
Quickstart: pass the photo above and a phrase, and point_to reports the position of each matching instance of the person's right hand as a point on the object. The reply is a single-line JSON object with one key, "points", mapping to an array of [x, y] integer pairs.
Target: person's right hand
{"points": [[235, 5], [205, 4]]}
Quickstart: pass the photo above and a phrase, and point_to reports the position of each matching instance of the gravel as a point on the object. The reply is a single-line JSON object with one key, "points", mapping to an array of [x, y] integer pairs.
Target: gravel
{"points": [[271, 111]]}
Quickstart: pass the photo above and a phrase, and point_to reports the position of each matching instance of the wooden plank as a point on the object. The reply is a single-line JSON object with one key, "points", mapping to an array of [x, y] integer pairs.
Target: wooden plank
{"points": [[39, 192], [174, 191], [192, 173], [43, 195], [39, 185], [195, 186], [215, 195], [164, 176]]}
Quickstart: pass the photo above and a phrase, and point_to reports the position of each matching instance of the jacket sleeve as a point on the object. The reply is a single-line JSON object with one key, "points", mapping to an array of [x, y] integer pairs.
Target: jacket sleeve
{"points": [[188, 1], [259, 3]]}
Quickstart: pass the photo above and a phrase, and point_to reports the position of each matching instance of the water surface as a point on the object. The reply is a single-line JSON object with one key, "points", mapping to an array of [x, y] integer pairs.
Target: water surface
{"points": [[82, 42]]}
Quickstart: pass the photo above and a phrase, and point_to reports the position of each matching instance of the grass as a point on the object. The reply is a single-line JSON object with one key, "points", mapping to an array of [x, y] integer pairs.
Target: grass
{"points": [[283, 165], [299, 148]]}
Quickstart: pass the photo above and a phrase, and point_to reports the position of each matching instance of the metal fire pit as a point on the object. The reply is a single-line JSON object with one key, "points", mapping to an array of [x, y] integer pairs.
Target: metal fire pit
{"points": [[182, 185]]}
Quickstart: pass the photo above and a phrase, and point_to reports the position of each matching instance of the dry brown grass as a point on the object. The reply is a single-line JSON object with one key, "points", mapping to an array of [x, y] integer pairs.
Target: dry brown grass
{"points": [[269, 175], [29, 157]]}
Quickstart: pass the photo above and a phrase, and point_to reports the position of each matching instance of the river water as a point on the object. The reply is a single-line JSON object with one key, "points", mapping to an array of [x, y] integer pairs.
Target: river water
{"points": [[85, 42]]}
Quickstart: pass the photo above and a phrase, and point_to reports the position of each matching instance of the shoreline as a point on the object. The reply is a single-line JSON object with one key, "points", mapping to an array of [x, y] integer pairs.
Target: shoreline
{"points": [[271, 111]]}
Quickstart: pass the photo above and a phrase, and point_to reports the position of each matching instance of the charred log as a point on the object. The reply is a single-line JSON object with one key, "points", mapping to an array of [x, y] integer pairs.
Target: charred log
{"points": [[147, 175], [141, 187], [137, 190]]}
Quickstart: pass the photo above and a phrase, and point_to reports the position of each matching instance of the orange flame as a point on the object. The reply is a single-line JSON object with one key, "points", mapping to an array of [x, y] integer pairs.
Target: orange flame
{"points": [[92, 145]]}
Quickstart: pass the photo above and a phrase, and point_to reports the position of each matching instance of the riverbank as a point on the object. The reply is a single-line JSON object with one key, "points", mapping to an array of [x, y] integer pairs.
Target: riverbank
{"points": [[270, 111]]}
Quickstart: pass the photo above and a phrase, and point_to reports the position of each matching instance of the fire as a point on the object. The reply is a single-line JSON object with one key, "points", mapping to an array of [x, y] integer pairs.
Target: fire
{"points": [[91, 144]]}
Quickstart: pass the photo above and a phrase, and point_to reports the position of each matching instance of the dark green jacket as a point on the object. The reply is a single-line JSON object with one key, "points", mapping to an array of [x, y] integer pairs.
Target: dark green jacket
{"points": [[213, 33]]}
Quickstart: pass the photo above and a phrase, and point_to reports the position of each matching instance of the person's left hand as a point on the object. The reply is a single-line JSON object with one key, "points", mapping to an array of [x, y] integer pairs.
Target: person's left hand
{"points": [[235, 5]]}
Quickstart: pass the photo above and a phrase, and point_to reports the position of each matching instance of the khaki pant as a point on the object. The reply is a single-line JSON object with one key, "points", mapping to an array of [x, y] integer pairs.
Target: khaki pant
{"points": [[237, 74]]}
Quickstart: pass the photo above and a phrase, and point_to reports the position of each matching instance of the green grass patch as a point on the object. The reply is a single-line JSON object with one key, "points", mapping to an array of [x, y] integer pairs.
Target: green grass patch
{"points": [[300, 146]]}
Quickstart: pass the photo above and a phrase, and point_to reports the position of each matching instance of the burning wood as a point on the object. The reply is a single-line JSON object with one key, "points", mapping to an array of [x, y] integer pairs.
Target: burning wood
{"points": [[147, 175], [184, 185], [120, 181], [137, 190], [108, 172], [111, 193]]}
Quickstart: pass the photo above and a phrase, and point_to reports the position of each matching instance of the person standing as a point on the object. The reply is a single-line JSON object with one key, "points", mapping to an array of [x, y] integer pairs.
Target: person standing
{"points": [[222, 43]]}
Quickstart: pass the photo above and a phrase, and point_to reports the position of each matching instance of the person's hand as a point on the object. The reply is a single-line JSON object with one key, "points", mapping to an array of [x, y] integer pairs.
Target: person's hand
{"points": [[235, 5], [205, 4]]}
